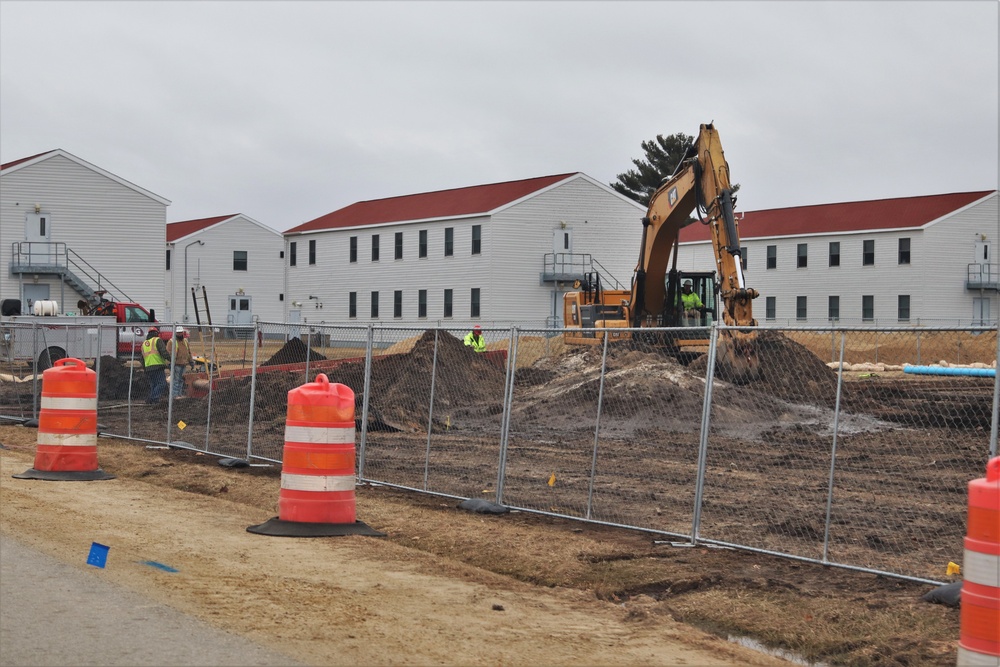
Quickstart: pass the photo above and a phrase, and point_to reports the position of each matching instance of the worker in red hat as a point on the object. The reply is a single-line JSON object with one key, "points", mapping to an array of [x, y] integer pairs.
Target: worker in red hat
{"points": [[475, 340]]}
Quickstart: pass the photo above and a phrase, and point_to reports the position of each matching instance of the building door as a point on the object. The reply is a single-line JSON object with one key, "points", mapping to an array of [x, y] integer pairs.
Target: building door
{"points": [[38, 234], [983, 260], [562, 248], [32, 293], [240, 313], [980, 311], [294, 318]]}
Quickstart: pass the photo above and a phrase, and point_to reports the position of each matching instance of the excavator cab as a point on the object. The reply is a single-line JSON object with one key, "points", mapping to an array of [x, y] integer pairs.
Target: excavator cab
{"points": [[704, 285]]}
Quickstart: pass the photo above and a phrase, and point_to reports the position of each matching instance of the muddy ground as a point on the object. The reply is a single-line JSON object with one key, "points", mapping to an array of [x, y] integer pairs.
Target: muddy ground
{"points": [[907, 447]]}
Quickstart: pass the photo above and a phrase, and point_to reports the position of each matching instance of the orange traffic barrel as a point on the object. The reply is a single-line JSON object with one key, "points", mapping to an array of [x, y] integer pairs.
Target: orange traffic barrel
{"points": [[66, 447], [979, 629], [317, 469]]}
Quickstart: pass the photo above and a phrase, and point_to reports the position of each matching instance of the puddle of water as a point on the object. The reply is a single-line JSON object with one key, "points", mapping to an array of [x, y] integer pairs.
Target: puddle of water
{"points": [[747, 642]]}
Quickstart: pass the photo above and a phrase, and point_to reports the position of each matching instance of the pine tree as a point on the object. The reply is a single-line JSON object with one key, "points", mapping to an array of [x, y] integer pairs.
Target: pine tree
{"points": [[662, 156]]}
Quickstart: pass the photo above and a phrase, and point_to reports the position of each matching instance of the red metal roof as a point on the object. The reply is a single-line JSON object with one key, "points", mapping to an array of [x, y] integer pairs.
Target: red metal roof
{"points": [[478, 199], [24, 159], [178, 230], [904, 212]]}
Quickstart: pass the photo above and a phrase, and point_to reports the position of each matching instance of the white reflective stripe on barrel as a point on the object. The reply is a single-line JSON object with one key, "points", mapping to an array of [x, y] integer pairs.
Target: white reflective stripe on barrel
{"points": [[319, 434], [967, 658], [292, 482], [66, 403], [980, 568], [67, 439]]}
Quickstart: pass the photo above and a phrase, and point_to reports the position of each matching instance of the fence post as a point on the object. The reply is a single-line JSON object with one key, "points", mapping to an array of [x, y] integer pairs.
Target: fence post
{"points": [[508, 405], [706, 411], [365, 399], [833, 452], [996, 398], [253, 389], [430, 410], [597, 425]]}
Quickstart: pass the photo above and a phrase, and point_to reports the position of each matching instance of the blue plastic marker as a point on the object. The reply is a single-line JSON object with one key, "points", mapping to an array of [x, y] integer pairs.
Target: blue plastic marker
{"points": [[98, 556], [159, 566]]}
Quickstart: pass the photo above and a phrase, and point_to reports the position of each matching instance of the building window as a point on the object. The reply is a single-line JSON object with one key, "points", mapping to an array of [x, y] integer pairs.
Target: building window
{"points": [[239, 260], [447, 303], [743, 257], [802, 253], [374, 247], [397, 303], [769, 307], [868, 253], [399, 245], [449, 241], [422, 251], [292, 253], [422, 303], [834, 253], [833, 308], [281, 297], [281, 254], [312, 252], [904, 251], [474, 310], [374, 305], [800, 308], [477, 239], [868, 307], [352, 304], [903, 307], [772, 256], [168, 259], [354, 249]]}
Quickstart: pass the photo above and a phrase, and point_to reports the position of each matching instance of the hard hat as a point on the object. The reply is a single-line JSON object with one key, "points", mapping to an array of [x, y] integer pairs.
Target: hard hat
{"points": [[180, 330], [477, 328], [687, 283], [153, 330]]}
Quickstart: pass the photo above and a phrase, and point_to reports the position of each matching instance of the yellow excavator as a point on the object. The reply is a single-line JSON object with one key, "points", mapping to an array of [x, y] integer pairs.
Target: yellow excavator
{"points": [[700, 184]]}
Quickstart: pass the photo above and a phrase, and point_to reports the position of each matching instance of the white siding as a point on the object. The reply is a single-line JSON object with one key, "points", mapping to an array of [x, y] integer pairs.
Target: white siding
{"points": [[934, 279], [118, 230], [507, 272], [211, 265]]}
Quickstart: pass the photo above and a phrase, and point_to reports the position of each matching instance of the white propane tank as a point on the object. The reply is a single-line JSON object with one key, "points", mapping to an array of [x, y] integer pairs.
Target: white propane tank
{"points": [[45, 307]]}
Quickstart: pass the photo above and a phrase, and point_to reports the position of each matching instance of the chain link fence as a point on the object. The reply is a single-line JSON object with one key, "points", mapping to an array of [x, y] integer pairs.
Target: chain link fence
{"points": [[848, 446]]}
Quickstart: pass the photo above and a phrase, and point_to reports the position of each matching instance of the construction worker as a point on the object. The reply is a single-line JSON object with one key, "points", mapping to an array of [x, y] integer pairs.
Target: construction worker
{"points": [[475, 340], [693, 307], [154, 360], [180, 353]]}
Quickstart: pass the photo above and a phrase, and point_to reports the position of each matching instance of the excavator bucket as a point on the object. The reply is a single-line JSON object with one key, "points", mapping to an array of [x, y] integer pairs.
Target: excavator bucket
{"points": [[736, 360]]}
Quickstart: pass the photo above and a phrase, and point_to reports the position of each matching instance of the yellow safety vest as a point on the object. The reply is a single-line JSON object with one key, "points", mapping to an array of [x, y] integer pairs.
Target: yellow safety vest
{"points": [[150, 355]]}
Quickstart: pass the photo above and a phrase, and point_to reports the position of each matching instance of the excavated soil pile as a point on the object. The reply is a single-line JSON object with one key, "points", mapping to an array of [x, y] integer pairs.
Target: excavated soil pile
{"points": [[294, 352]]}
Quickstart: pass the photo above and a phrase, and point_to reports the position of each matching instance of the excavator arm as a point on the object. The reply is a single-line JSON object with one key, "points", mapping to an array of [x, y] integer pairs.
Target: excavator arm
{"points": [[699, 185]]}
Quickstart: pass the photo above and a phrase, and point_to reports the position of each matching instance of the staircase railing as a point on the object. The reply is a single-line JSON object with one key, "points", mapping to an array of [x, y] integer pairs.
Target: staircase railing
{"points": [[56, 257]]}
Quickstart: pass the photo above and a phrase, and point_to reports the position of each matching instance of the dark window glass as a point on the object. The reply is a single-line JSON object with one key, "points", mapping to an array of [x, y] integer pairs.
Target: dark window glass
{"points": [[800, 308], [769, 307], [903, 307], [422, 252], [743, 257], [447, 303], [449, 241], [352, 304], [772, 256], [168, 260], [397, 303], [374, 304], [422, 303], [904, 253], [868, 307], [474, 310], [239, 260], [477, 239], [802, 253], [312, 252], [374, 247], [835, 253], [399, 245], [833, 308], [354, 249], [868, 252]]}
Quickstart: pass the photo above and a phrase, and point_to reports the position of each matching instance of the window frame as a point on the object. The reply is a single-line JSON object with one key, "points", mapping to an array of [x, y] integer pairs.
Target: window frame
{"points": [[375, 247], [398, 245], [312, 252], [448, 309], [802, 255], [770, 308], [801, 308], [238, 260], [352, 305], [352, 256], [477, 239], [449, 241], [900, 308], [772, 257], [293, 253], [868, 256], [422, 244], [834, 257], [474, 301], [903, 254], [833, 307], [397, 303], [868, 308], [422, 303], [374, 305]]}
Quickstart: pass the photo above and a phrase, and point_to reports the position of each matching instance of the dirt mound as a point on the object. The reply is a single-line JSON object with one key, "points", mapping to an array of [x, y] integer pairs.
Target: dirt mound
{"points": [[294, 352]]}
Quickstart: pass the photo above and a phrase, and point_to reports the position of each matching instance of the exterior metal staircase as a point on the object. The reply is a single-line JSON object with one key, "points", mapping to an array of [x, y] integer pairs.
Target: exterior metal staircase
{"points": [[56, 259], [568, 267]]}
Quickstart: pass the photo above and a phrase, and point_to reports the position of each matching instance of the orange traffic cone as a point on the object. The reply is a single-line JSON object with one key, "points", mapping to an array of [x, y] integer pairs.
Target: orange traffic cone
{"points": [[67, 425], [979, 629], [317, 469]]}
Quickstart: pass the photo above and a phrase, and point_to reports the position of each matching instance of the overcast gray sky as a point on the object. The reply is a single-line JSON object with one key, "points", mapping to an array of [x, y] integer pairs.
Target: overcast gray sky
{"points": [[286, 111]]}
